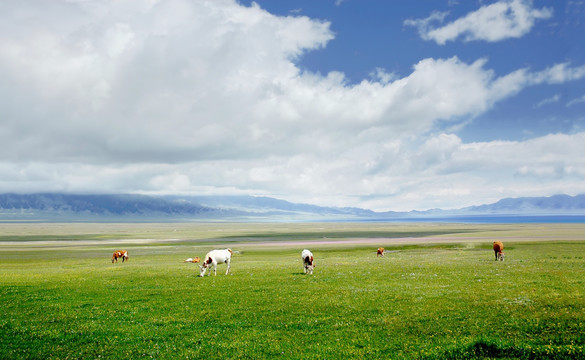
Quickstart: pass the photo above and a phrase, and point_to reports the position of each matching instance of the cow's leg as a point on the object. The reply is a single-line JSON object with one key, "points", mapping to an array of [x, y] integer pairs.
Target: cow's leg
{"points": [[228, 267]]}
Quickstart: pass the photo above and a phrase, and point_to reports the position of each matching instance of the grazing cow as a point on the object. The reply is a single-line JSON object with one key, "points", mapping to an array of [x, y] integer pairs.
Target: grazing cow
{"points": [[308, 265], [193, 260], [499, 250], [120, 254], [213, 258], [380, 252]]}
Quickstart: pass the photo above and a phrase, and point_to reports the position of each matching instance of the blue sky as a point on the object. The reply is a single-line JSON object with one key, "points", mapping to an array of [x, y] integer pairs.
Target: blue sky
{"points": [[386, 105], [377, 33]]}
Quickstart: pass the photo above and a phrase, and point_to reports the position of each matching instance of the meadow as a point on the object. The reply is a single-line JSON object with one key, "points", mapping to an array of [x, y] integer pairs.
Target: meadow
{"points": [[436, 294]]}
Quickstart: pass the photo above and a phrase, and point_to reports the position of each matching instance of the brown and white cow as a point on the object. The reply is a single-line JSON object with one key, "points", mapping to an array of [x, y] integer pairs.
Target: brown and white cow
{"points": [[215, 257], [120, 254], [308, 264], [380, 252], [499, 250], [196, 259]]}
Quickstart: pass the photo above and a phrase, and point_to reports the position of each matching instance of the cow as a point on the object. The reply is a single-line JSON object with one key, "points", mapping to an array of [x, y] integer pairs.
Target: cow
{"points": [[120, 254], [196, 259], [213, 258], [380, 252], [308, 265], [499, 250]]}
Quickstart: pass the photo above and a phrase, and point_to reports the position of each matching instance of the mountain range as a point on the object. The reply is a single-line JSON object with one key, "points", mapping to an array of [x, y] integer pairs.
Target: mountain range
{"points": [[132, 207]]}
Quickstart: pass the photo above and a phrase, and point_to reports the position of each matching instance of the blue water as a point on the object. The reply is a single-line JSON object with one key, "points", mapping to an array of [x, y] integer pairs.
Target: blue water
{"points": [[493, 219]]}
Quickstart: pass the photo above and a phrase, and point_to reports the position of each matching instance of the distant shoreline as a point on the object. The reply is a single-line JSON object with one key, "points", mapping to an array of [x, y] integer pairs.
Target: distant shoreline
{"points": [[489, 219], [463, 219]]}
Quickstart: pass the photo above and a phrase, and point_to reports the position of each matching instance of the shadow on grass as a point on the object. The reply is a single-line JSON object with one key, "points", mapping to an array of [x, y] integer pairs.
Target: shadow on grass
{"points": [[485, 349]]}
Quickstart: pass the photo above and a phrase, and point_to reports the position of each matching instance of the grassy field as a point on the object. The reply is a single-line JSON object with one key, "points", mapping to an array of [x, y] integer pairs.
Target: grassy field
{"points": [[437, 294]]}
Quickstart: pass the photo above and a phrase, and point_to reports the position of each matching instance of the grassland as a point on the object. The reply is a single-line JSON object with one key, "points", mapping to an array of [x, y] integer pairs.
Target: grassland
{"points": [[437, 294]]}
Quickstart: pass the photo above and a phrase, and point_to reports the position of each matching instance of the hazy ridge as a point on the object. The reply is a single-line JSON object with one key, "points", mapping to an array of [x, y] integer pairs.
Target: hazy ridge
{"points": [[132, 207]]}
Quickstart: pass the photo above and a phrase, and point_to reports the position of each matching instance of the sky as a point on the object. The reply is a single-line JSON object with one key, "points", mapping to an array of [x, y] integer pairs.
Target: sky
{"points": [[386, 105]]}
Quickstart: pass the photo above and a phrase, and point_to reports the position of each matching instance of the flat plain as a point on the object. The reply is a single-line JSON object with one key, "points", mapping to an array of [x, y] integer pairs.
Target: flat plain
{"points": [[436, 294]]}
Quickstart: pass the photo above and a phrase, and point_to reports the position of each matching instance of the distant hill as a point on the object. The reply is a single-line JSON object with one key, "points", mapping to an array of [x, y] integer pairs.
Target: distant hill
{"points": [[557, 204], [266, 206], [128, 207], [97, 207]]}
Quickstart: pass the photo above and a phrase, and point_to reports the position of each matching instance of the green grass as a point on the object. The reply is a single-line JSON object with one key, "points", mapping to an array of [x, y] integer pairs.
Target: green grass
{"points": [[426, 301]]}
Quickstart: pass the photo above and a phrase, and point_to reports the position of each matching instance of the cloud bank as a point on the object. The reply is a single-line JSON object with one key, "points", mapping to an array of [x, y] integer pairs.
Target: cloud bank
{"points": [[202, 97]]}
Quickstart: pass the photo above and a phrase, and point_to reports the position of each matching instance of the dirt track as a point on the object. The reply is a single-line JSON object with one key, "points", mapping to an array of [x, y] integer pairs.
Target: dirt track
{"points": [[337, 241], [410, 240]]}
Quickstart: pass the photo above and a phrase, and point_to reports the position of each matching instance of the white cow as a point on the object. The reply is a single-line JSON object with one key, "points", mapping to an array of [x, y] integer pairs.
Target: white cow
{"points": [[215, 257], [307, 257]]}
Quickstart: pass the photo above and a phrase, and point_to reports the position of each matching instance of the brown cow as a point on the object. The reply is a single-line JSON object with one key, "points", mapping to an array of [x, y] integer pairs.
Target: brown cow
{"points": [[499, 250], [120, 254], [380, 252], [196, 259]]}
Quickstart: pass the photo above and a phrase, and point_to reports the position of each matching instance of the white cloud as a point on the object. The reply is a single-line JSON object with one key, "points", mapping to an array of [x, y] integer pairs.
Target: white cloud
{"points": [[442, 171], [558, 74], [576, 101], [427, 24], [495, 22], [193, 97], [551, 100], [382, 76]]}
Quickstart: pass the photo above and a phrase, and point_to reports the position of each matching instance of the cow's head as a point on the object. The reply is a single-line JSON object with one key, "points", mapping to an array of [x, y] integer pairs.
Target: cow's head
{"points": [[203, 268], [501, 256]]}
